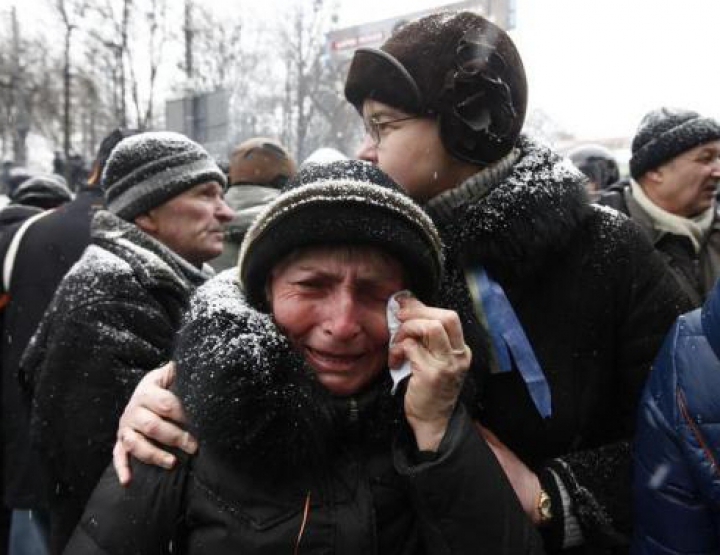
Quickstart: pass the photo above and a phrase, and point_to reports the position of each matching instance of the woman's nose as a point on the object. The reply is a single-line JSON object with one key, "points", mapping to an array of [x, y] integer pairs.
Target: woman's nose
{"points": [[342, 319], [367, 150]]}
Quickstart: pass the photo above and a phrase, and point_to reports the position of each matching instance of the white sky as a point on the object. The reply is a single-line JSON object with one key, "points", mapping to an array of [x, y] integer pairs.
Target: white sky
{"points": [[596, 66]]}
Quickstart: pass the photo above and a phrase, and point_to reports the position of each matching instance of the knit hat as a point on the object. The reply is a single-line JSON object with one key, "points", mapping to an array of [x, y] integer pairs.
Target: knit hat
{"points": [[148, 169], [666, 133], [44, 191], [261, 161], [342, 203], [458, 67]]}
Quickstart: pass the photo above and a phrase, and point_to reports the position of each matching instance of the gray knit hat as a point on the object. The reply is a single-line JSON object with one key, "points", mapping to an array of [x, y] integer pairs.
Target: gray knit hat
{"points": [[148, 169], [348, 202], [666, 133]]}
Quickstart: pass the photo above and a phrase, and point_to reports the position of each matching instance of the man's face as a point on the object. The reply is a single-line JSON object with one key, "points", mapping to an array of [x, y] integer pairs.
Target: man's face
{"points": [[331, 303], [687, 184], [190, 224], [410, 152]]}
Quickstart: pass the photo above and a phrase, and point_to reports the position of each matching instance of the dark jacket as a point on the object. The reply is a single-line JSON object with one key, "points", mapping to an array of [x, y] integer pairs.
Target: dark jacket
{"points": [[594, 300], [15, 214], [112, 320], [677, 479], [282, 463], [50, 246], [696, 272]]}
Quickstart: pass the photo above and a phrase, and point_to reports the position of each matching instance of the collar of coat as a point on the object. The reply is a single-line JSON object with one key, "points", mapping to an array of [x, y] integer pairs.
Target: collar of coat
{"points": [[251, 399], [153, 263], [515, 217]]}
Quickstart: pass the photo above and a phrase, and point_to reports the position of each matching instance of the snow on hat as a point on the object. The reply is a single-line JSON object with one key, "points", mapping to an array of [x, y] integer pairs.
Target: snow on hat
{"points": [[324, 155], [346, 202], [666, 133], [148, 169], [42, 191], [456, 66]]}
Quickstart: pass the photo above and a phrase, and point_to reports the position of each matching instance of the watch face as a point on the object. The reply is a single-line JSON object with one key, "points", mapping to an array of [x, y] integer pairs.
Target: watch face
{"points": [[544, 506]]}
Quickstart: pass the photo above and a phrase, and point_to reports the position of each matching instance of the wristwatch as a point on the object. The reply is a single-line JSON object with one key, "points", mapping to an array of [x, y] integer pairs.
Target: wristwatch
{"points": [[544, 507]]}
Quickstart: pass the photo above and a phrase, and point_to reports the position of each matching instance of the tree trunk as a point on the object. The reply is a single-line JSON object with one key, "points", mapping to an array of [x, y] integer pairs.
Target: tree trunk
{"points": [[66, 104]]}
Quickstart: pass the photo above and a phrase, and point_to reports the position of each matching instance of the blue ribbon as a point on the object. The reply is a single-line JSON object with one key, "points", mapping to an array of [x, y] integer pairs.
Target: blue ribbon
{"points": [[508, 338]]}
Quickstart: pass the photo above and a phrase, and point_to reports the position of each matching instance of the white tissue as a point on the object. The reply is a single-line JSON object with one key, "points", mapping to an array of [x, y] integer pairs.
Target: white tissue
{"points": [[397, 374]]}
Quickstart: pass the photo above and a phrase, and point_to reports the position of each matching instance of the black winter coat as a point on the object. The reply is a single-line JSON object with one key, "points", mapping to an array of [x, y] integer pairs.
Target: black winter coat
{"points": [[283, 464], [14, 214], [113, 319], [595, 301], [48, 249]]}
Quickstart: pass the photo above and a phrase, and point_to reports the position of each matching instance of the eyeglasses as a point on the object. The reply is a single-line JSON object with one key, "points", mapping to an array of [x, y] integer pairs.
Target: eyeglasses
{"points": [[374, 128]]}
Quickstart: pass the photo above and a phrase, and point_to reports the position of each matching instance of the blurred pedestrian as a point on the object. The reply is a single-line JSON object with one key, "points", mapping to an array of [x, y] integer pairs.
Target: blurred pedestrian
{"points": [[44, 191], [599, 166], [35, 195], [259, 167], [58, 163]]}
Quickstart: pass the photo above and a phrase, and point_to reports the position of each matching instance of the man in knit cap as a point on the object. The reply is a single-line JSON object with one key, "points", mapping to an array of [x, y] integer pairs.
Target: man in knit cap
{"points": [[564, 304], [675, 172], [116, 312]]}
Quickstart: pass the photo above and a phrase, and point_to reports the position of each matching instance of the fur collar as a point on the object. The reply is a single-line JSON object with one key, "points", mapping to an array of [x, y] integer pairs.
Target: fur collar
{"points": [[514, 226], [512, 218], [251, 399]]}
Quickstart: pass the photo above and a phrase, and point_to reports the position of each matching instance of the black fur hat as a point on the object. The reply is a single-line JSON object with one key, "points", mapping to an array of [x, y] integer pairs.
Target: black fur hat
{"points": [[458, 67], [348, 202], [666, 133]]}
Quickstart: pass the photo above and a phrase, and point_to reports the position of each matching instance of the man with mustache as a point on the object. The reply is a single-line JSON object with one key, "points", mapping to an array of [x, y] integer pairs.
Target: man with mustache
{"points": [[675, 169], [115, 314]]}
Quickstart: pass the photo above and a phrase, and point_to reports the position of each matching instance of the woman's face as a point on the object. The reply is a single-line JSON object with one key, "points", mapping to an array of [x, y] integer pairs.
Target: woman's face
{"points": [[411, 152], [331, 303]]}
